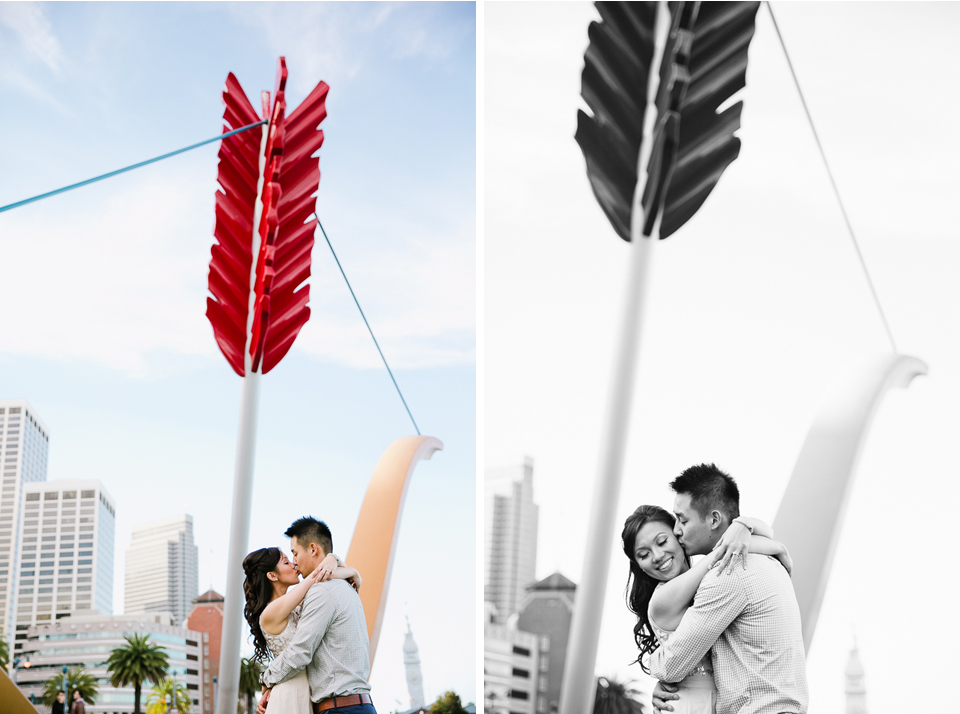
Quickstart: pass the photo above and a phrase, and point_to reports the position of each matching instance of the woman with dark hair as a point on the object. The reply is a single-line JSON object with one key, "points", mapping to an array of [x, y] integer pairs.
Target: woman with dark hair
{"points": [[274, 592], [662, 584]]}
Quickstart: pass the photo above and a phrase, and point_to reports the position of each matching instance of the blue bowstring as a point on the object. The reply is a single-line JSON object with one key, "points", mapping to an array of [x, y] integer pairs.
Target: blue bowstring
{"points": [[128, 168], [369, 329]]}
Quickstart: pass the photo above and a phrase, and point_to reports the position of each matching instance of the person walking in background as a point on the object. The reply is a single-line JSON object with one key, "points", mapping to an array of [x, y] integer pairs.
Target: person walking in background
{"points": [[60, 703], [79, 706]]}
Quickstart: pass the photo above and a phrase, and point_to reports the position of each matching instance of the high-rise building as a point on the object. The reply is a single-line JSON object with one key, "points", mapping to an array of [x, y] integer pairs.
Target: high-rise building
{"points": [[511, 669], [161, 568], [547, 611], [411, 663], [510, 536], [66, 559], [88, 640], [856, 689], [207, 617], [24, 442]]}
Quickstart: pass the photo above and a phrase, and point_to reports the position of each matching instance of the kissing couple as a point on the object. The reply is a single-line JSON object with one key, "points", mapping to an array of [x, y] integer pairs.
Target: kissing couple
{"points": [[313, 629], [722, 635]]}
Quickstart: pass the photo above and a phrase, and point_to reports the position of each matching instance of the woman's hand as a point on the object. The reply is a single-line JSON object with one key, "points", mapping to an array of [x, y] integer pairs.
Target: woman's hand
{"points": [[732, 547], [786, 561], [356, 581], [326, 567], [313, 577]]}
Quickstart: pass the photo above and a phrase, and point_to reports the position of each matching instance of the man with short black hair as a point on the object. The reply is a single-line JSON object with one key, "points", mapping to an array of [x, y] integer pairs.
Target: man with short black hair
{"points": [[331, 639], [747, 618], [60, 703], [79, 706]]}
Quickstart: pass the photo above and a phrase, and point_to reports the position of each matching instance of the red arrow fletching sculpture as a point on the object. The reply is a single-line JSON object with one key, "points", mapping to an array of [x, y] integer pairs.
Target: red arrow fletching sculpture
{"points": [[269, 180], [288, 176]]}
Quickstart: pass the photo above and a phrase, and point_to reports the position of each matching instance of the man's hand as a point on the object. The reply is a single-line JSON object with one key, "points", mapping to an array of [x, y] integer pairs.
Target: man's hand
{"points": [[663, 694], [264, 698]]}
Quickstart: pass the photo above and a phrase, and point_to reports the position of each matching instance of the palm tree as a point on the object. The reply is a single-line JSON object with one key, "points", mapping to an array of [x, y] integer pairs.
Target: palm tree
{"points": [[180, 697], [249, 680], [615, 697], [4, 652], [77, 680], [137, 662]]}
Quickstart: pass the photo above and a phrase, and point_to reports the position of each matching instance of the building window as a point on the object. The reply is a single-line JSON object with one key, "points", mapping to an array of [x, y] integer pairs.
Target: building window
{"points": [[517, 672], [518, 694], [521, 651]]}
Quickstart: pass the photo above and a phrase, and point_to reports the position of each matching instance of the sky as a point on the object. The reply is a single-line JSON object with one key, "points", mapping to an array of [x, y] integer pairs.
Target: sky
{"points": [[758, 310], [103, 328]]}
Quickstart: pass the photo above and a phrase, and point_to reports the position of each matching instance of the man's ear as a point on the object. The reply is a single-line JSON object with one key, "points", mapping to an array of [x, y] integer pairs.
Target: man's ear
{"points": [[716, 520]]}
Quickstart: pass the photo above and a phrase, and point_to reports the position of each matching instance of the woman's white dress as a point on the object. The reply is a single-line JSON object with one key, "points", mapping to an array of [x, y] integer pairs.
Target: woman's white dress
{"points": [[698, 690], [293, 695]]}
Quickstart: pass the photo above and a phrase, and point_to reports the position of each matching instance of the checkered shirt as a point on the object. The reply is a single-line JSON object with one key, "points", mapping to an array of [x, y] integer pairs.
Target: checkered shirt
{"points": [[751, 620], [330, 642]]}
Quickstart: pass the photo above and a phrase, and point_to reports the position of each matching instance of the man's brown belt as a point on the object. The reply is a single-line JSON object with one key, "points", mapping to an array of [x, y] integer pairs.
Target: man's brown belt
{"points": [[351, 700]]}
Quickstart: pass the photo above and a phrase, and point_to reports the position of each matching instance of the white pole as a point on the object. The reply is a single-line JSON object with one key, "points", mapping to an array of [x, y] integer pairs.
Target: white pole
{"points": [[228, 680], [233, 599], [578, 688]]}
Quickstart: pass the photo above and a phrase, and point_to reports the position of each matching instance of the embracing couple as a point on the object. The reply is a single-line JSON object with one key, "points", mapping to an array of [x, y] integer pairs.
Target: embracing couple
{"points": [[723, 635], [314, 629]]}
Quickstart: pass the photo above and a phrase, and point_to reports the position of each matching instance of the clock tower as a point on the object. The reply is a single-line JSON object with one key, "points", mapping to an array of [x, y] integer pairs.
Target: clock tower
{"points": [[411, 662], [856, 690]]}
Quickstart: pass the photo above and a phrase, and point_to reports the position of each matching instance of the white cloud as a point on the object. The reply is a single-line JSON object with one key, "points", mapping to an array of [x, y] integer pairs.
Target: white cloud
{"points": [[332, 40], [117, 273], [33, 29]]}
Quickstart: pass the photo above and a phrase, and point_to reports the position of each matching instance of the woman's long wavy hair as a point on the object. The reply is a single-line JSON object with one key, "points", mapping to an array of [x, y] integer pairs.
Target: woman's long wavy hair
{"points": [[640, 586], [258, 589]]}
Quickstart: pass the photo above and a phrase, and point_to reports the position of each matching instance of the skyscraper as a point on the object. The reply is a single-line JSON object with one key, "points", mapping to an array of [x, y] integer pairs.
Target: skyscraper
{"points": [[510, 536], [66, 561], [547, 611], [25, 441], [161, 568], [411, 663]]}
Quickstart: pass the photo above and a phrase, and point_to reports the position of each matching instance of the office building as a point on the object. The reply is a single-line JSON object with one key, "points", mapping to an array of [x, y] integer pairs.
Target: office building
{"points": [[511, 669], [510, 536], [207, 618], [24, 442], [547, 611], [161, 568], [88, 640], [411, 663], [66, 559]]}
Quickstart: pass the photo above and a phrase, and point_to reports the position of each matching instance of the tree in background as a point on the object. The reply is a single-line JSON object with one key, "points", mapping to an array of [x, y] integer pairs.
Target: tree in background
{"points": [[249, 681], [615, 697], [172, 689], [77, 679], [449, 703], [137, 662], [4, 652]]}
